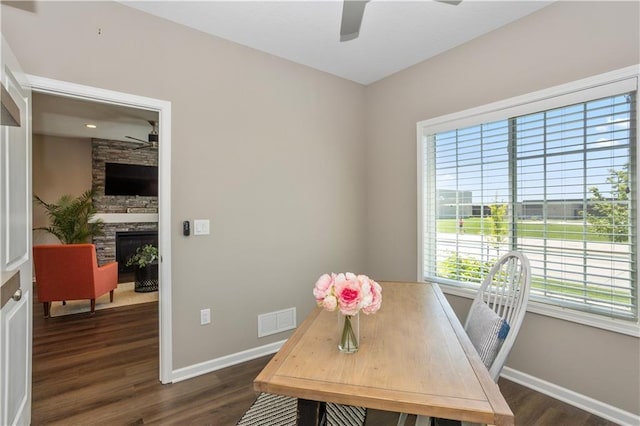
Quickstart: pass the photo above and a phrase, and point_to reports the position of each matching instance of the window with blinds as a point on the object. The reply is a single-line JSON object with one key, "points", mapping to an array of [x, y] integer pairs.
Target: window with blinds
{"points": [[556, 184]]}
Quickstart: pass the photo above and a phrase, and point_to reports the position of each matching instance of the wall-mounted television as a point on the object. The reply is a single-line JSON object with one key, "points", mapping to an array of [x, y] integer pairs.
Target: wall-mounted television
{"points": [[130, 179]]}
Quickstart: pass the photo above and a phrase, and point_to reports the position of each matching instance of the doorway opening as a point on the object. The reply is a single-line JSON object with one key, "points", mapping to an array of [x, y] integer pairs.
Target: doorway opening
{"points": [[162, 110]]}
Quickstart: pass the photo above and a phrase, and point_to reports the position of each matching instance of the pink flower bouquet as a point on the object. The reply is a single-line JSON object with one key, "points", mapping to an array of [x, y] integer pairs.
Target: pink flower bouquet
{"points": [[350, 294]]}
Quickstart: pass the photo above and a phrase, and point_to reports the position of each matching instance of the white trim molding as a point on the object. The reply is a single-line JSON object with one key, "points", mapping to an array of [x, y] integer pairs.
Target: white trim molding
{"points": [[225, 361], [570, 397], [575, 91], [126, 217], [620, 326]]}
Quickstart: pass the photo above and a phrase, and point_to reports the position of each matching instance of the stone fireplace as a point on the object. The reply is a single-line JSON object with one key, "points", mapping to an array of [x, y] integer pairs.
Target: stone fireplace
{"points": [[122, 214], [106, 245]]}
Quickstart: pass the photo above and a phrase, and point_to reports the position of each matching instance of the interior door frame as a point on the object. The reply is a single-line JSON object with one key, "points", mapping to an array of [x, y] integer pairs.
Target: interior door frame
{"points": [[163, 108]]}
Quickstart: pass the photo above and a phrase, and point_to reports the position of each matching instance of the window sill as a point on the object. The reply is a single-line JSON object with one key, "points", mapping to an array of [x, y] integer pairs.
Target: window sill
{"points": [[628, 328]]}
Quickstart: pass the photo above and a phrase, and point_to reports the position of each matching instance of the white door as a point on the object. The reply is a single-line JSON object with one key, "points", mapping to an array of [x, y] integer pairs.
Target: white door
{"points": [[15, 244]]}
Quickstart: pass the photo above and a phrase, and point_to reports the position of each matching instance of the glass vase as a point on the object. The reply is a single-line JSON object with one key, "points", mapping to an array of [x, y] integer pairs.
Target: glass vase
{"points": [[349, 333]]}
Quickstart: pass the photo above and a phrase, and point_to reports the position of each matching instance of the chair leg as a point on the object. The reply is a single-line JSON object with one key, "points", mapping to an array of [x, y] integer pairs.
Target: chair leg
{"points": [[402, 419], [47, 309], [111, 296], [423, 421], [93, 306], [420, 420]]}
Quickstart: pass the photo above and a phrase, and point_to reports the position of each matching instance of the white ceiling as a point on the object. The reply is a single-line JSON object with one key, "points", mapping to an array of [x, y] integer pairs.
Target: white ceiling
{"points": [[394, 34], [64, 116]]}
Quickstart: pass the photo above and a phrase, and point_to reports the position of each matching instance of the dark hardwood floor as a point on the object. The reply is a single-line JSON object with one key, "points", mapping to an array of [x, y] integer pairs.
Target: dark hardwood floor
{"points": [[103, 369]]}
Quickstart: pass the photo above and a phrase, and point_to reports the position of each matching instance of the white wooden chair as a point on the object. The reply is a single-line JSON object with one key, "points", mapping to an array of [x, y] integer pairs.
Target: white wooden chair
{"points": [[496, 314]]}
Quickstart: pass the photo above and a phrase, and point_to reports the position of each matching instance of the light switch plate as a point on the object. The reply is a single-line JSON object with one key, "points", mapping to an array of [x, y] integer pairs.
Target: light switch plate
{"points": [[201, 227], [205, 316]]}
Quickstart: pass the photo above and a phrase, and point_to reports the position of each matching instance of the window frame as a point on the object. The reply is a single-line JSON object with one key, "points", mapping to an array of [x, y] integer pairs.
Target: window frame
{"points": [[574, 92]]}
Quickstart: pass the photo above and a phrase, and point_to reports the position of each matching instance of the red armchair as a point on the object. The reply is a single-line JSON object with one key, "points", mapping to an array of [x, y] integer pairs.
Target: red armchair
{"points": [[71, 272]]}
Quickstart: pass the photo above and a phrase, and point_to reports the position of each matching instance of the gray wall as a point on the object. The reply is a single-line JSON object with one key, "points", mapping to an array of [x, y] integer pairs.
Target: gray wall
{"points": [[60, 166], [270, 151], [561, 43]]}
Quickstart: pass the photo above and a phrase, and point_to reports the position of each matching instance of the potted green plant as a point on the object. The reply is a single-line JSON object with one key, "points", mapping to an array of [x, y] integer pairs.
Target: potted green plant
{"points": [[71, 219], [146, 273]]}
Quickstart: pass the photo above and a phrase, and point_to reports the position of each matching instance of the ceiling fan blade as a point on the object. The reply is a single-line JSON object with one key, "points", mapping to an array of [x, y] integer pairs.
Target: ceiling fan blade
{"points": [[352, 11], [136, 139], [451, 2]]}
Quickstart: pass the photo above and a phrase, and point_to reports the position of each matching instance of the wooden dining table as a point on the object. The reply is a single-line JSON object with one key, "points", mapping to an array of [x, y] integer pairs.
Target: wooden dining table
{"points": [[414, 357]]}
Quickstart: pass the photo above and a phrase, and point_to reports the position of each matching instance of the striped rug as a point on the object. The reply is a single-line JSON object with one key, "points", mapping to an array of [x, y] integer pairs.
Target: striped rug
{"points": [[277, 410]]}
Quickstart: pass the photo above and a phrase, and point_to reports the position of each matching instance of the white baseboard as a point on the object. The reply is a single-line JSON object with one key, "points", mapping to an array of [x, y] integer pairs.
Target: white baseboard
{"points": [[225, 361], [583, 402]]}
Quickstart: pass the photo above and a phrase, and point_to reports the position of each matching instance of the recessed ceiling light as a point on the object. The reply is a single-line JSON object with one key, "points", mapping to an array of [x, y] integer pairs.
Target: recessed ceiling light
{"points": [[90, 126]]}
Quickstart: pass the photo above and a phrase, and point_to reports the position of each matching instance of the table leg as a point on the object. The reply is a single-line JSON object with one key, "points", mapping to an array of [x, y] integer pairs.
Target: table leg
{"points": [[311, 413]]}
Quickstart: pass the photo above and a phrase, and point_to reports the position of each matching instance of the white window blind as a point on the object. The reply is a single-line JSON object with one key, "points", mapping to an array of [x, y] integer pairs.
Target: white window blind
{"points": [[556, 184]]}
